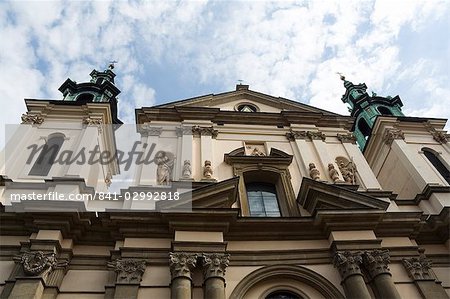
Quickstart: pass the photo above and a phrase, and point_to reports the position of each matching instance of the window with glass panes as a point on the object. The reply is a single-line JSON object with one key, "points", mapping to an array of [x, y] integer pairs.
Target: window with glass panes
{"points": [[262, 200]]}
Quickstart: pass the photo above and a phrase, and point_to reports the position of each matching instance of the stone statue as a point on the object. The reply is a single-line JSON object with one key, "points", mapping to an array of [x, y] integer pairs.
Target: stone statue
{"points": [[187, 169], [334, 174], [165, 161], [348, 172], [314, 173], [207, 170]]}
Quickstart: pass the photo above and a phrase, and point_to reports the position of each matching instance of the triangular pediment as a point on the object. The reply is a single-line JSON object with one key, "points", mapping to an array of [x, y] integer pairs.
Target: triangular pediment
{"points": [[315, 196], [246, 100]]}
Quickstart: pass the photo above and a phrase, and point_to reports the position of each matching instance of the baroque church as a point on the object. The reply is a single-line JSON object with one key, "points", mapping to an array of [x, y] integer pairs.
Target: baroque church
{"points": [[244, 196]]}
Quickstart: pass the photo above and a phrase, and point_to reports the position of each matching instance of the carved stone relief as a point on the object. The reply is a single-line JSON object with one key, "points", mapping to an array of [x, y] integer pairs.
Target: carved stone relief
{"points": [[38, 263], [419, 268], [376, 262], [347, 169], [182, 263], [33, 119], [348, 263]]}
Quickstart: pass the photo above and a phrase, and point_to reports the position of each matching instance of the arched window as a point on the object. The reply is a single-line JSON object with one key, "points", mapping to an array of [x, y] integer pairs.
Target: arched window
{"points": [[85, 97], [364, 127], [262, 200], [47, 156], [437, 163], [282, 295], [384, 111]]}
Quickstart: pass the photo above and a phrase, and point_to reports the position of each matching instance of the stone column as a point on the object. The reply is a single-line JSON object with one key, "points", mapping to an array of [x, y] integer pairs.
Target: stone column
{"points": [[129, 275], [181, 265], [206, 146], [419, 269], [214, 267], [348, 264], [376, 263]]}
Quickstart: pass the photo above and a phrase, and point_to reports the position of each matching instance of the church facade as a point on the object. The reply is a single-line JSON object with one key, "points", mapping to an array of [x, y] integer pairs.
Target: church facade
{"points": [[259, 197]]}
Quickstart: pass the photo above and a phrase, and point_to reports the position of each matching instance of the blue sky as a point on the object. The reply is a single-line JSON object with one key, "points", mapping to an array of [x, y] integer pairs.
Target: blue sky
{"points": [[171, 50]]}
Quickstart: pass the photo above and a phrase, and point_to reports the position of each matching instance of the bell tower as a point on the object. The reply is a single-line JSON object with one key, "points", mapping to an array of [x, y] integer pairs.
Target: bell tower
{"points": [[365, 108]]}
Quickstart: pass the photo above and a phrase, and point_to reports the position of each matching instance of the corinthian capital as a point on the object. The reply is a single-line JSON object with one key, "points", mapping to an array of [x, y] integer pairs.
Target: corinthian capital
{"points": [[33, 119], [346, 138], [391, 134], [376, 262], [215, 264], [419, 268], [128, 270], [348, 263], [292, 135], [181, 264]]}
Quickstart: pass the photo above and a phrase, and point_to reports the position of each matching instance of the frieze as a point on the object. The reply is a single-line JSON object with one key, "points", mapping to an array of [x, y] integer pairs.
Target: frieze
{"points": [[128, 270], [215, 264], [348, 263], [182, 263], [32, 119]]}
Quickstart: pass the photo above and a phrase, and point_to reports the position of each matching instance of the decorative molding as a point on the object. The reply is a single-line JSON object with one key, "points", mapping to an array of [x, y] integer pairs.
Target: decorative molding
{"points": [[348, 263], [32, 119], [391, 134], [316, 135], [128, 270], [39, 263], [151, 131], [215, 264], [181, 264], [347, 138], [419, 268], [292, 135], [376, 262]]}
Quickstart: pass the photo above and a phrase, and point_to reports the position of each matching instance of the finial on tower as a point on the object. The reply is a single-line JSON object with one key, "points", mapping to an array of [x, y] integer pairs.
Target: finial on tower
{"points": [[111, 64], [341, 76]]}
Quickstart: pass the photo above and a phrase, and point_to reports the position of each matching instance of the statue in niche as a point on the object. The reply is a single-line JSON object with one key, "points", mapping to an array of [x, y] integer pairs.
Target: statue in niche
{"points": [[187, 169], [334, 174], [348, 171], [314, 173], [165, 161], [207, 170]]}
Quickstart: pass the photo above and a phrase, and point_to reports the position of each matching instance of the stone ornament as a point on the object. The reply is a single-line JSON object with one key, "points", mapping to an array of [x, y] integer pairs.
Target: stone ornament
{"points": [[128, 270], [181, 264], [90, 121], [391, 134], [180, 131], [292, 135], [207, 170], [204, 131], [316, 135], [419, 268], [215, 264], [187, 169], [165, 162], [32, 119], [38, 263], [348, 171], [108, 179], [314, 173], [348, 263], [334, 174], [347, 138], [151, 131], [376, 262]]}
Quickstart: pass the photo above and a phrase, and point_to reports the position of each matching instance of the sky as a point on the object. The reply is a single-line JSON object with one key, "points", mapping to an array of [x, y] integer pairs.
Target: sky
{"points": [[172, 50]]}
